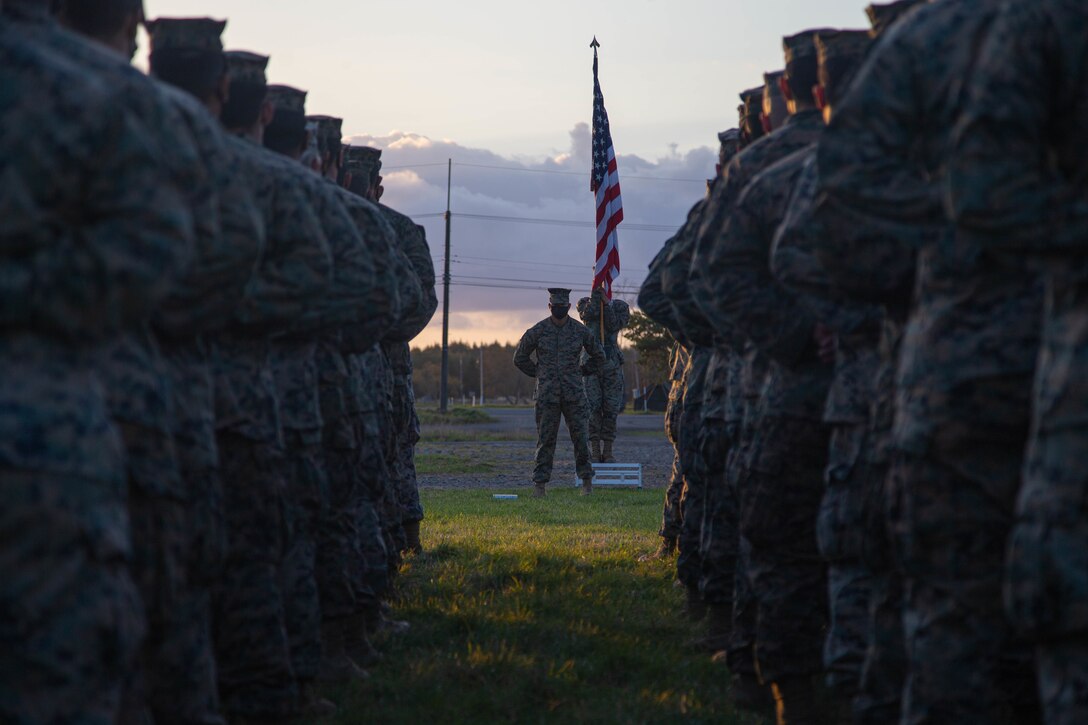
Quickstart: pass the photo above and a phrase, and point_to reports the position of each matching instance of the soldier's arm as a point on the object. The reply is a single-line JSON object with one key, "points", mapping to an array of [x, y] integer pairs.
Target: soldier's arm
{"points": [[593, 348], [109, 271], [1005, 190], [523, 355], [620, 314], [797, 267], [297, 263], [651, 297], [746, 297], [675, 278], [412, 247]]}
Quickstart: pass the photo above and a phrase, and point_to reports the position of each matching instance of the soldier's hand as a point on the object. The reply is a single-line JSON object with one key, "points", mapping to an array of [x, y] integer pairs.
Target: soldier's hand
{"points": [[598, 294], [825, 342]]}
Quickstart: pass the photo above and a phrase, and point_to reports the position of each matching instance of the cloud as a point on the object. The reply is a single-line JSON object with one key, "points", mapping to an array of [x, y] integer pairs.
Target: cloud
{"points": [[500, 268]]}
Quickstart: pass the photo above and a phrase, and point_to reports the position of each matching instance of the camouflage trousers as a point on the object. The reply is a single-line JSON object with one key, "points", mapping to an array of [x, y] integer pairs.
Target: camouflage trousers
{"points": [[256, 679], [670, 515], [720, 538], [337, 563], [180, 553], [71, 619], [689, 563], [740, 655], [1046, 587], [403, 465], [307, 502], [841, 533], [604, 393], [785, 571], [883, 674], [954, 516], [376, 518], [548, 416]]}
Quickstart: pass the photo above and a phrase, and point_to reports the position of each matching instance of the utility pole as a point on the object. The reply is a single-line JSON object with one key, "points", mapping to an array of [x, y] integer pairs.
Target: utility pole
{"points": [[481, 375], [444, 403]]}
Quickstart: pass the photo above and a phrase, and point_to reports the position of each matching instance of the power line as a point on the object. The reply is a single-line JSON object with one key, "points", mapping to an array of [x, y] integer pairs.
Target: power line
{"points": [[563, 222], [576, 173], [522, 262]]}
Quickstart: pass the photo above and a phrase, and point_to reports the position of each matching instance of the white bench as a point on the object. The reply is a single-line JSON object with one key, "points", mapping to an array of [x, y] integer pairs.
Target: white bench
{"points": [[615, 474]]}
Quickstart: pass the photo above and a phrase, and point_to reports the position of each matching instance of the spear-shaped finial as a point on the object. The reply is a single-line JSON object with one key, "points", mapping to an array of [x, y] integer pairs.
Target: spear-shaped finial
{"points": [[594, 45]]}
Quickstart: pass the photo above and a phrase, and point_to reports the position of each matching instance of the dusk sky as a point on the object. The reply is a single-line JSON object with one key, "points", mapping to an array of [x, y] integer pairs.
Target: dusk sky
{"points": [[509, 84]]}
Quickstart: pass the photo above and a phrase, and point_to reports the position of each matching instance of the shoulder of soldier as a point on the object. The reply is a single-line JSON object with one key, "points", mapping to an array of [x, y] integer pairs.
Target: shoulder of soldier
{"points": [[401, 222], [578, 326]]}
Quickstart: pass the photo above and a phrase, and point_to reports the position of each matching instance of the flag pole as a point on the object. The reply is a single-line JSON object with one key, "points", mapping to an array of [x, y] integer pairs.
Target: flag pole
{"points": [[594, 45]]}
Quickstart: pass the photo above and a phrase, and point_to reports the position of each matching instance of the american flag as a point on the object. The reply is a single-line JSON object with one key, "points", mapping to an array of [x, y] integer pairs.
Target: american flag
{"points": [[606, 186]]}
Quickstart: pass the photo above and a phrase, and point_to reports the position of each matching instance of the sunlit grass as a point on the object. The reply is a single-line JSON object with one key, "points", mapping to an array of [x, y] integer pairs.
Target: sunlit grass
{"points": [[538, 611]]}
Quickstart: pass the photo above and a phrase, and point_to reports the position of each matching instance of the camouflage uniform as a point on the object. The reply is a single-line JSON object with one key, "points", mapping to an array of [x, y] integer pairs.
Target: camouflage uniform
{"points": [[693, 501], [840, 525], [1028, 96], [964, 371], [604, 391], [559, 389], [94, 218], [655, 305], [256, 676], [412, 240]]}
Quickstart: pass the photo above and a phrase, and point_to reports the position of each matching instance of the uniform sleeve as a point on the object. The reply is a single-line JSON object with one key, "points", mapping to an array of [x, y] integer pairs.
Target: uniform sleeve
{"points": [[619, 315], [675, 277], [106, 273], [595, 351], [1005, 191], [412, 244], [651, 297], [523, 359], [297, 264], [873, 201], [745, 295], [796, 266]]}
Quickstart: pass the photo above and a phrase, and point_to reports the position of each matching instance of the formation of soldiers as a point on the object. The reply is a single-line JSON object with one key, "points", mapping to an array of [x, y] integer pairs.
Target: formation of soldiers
{"points": [[207, 421], [880, 309]]}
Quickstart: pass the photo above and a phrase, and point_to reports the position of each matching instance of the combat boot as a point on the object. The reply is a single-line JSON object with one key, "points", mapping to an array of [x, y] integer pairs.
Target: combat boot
{"points": [[606, 455], [695, 607], [412, 542], [748, 693], [666, 550], [313, 706], [336, 666], [595, 451], [357, 645], [379, 625], [539, 490], [587, 486], [719, 628], [795, 701]]}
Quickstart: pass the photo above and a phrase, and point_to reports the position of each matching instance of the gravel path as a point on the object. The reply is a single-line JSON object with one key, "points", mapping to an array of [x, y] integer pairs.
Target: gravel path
{"points": [[641, 439]]}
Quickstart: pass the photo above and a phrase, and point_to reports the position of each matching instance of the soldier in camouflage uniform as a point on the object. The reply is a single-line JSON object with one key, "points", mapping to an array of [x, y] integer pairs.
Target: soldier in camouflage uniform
{"points": [[655, 305], [382, 518], [557, 343], [257, 679], [1020, 137], [604, 391], [778, 509], [849, 334], [967, 353], [168, 436], [68, 646]]}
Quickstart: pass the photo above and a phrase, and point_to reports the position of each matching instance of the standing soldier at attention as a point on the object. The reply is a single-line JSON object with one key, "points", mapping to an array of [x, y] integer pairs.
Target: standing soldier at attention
{"points": [[558, 343], [604, 391]]}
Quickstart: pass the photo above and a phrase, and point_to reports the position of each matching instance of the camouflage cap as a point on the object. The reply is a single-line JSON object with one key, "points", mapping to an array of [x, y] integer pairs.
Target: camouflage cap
{"points": [[329, 132], [732, 136], [771, 84], [800, 45], [246, 67], [286, 98], [842, 44], [747, 96], [200, 34], [883, 15], [558, 296]]}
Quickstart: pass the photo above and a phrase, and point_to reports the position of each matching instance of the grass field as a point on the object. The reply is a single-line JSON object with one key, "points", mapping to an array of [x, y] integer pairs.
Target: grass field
{"points": [[455, 416], [536, 611]]}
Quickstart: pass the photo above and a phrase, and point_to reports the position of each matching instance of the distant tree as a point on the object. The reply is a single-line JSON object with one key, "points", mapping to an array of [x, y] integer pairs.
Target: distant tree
{"points": [[653, 342]]}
